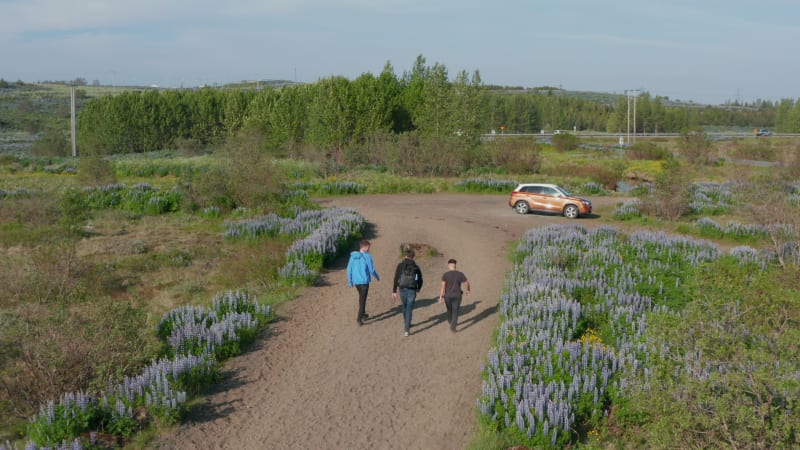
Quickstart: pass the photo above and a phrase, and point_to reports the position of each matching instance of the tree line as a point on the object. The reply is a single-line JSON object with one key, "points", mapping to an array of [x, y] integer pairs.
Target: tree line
{"points": [[336, 117]]}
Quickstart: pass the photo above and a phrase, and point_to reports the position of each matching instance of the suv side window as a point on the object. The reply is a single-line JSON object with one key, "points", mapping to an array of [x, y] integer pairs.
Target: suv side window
{"points": [[532, 189], [549, 191]]}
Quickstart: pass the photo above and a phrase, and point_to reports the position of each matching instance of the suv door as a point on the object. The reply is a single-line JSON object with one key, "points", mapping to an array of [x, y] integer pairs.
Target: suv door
{"points": [[550, 200]]}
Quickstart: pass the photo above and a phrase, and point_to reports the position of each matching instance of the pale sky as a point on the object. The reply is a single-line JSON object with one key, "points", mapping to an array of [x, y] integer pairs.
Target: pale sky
{"points": [[707, 51]]}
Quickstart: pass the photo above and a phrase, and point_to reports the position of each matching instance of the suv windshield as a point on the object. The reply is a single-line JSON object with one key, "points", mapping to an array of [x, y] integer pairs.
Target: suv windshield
{"points": [[562, 191]]}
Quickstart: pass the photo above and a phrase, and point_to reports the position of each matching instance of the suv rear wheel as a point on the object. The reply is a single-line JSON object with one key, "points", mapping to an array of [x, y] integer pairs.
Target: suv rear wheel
{"points": [[571, 211], [522, 207]]}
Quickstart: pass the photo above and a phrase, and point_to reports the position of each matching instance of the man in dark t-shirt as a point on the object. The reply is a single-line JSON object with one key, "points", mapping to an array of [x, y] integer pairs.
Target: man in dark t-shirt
{"points": [[451, 292]]}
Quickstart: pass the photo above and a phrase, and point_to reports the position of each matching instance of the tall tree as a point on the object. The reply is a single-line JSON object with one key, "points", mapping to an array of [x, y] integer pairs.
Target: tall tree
{"points": [[331, 117], [432, 116], [467, 96]]}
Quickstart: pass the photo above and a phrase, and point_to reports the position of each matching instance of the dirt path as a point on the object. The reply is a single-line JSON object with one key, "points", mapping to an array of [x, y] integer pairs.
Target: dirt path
{"points": [[319, 381]]}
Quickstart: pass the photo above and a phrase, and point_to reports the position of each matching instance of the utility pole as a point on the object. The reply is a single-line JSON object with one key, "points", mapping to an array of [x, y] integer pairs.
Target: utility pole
{"points": [[634, 116], [628, 135], [632, 93], [72, 121]]}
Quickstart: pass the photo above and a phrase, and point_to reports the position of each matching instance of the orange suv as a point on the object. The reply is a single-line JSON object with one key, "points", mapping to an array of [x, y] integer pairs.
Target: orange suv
{"points": [[550, 198]]}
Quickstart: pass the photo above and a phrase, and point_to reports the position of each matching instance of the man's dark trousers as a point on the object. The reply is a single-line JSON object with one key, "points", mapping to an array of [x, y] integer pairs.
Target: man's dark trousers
{"points": [[363, 290], [453, 304]]}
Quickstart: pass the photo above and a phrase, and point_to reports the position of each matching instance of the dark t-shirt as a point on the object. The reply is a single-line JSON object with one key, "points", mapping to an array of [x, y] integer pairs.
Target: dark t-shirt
{"points": [[452, 283]]}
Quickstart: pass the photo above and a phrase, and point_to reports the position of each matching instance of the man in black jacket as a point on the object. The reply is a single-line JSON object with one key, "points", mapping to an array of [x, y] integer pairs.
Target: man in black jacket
{"points": [[408, 281]]}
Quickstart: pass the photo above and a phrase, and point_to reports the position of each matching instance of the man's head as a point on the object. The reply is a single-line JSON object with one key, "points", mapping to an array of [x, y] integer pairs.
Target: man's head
{"points": [[364, 245], [410, 254], [451, 263]]}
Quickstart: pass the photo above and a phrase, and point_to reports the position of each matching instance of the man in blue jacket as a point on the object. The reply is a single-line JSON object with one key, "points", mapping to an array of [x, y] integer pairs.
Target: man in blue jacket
{"points": [[360, 270]]}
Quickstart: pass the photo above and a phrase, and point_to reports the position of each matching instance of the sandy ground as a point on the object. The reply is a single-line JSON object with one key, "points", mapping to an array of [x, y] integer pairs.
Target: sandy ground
{"points": [[320, 381]]}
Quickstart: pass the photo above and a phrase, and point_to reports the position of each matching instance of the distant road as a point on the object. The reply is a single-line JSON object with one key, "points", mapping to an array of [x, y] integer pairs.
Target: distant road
{"points": [[597, 134]]}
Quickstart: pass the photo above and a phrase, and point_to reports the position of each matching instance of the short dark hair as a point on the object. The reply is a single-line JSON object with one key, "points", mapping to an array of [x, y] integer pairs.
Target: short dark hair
{"points": [[451, 261], [410, 253], [364, 243]]}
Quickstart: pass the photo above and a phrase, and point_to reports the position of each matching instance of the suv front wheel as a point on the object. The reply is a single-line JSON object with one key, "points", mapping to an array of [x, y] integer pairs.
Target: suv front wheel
{"points": [[521, 207], [571, 211]]}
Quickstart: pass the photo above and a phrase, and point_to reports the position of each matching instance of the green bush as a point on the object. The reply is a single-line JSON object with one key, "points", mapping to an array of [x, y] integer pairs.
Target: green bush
{"points": [[250, 175], [670, 197], [514, 155], [209, 188], [760, 150], [74, 210], [648, 151], [159, 167], [189, 146], [737, 382], [565, 141], [696, 147], [95, 170], [141, 198], [53, 142], [485, 185]]}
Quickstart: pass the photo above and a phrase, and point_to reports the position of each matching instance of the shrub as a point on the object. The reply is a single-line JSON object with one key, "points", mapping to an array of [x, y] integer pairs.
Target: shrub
{"points": [[565, 141], [141, 198], [745, 232], [760, 150], [59, 348], [696, 147], [224, 331], [190, 147], [209, 188], [53, 142], [728, 371], [627, 210], [250, 176], [28, 217], [74, 211], [768, 205], [711, 198], [295, 201], [708, 228], [485, 185], [95, 171], [592, 188], [514, 155], [648, 151], [331, 187], [608, 175], [195, 339], [323, 234], [669, 198]]}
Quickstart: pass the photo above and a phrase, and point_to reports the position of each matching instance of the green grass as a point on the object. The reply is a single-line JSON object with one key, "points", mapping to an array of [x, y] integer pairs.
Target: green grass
{"points": [[158, 262]]}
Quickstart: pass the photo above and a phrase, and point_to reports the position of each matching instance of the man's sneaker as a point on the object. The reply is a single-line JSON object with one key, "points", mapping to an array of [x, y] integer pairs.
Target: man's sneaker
{"points": [[406, 333]]}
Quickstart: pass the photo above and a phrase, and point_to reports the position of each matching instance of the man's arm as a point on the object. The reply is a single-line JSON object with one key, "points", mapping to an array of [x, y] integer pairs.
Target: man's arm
{"points": [[396, 279], [441, 291], [371, 267]]}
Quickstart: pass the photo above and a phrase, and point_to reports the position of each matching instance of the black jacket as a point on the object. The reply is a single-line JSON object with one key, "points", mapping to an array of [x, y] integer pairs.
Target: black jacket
{"points": [[399, 270]]}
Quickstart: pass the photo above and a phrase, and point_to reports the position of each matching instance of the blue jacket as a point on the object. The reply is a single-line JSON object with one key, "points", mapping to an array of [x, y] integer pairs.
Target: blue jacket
{"points": [[359, 269]]}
